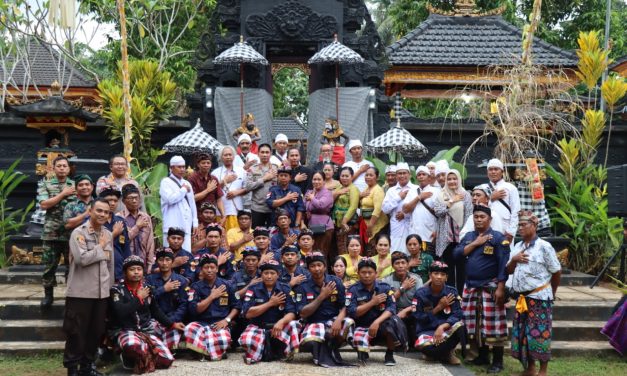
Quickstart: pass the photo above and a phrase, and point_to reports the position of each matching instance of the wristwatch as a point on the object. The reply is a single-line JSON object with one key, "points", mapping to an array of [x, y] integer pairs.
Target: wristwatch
{"points": [[401, 289], [228, 320]]}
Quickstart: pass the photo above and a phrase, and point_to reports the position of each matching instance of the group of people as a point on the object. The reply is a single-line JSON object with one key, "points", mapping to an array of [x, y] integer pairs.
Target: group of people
{"points": [[273, 256]]}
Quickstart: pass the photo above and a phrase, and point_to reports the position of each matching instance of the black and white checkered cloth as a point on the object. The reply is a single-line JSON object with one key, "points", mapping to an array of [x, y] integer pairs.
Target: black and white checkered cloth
{"points": [[336, 53], [397, 139], [398, 105], [240, 53], [538, 208], [193, 141]]}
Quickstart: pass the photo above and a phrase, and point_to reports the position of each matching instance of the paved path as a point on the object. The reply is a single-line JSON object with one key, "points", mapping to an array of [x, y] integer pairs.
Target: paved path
{"points": [[407, 364]]}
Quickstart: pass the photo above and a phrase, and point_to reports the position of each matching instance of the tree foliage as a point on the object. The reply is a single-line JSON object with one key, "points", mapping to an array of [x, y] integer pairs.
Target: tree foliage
{"points": [[290, 93], [152, 99]]}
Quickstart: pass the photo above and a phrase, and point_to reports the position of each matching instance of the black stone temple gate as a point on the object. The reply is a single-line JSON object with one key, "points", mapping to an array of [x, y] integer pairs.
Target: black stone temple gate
{"points": [[288, 33]]}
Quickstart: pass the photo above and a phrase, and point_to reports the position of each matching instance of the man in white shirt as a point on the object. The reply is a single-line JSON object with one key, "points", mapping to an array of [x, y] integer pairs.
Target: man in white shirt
{"points": [[178, 207], [504, 199], [481, 196], [231, 179], [358, 164], [392, 205], [420, 208], [245, 158], [279, 156]]}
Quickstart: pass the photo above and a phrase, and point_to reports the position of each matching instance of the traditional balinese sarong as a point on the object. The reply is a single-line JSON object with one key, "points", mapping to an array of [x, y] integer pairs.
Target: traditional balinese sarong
{"points": [[615, 328], [171, 337], [135, 346], [425, 344], [206, 340], [318, 331], [253, 340], [394, 326], [482, 316], [531, 332]]}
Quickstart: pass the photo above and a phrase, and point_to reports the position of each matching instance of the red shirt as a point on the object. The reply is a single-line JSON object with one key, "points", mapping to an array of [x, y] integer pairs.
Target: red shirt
{"points": [[199, 184]]}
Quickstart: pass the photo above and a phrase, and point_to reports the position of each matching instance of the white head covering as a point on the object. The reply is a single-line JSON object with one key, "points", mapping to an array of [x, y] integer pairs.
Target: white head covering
{"points": [[252, 157], [402, 166], [390, 169], [177, 160], [485, 188], [441, 167], [430, 164], [244, 137], [353, 143], [495, 163], [280, 137], [424, 169]]}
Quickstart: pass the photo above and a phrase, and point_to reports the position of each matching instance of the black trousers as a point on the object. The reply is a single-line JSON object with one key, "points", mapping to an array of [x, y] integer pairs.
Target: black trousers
{"points": [[456, 268], [261, 219], [84, 326]]}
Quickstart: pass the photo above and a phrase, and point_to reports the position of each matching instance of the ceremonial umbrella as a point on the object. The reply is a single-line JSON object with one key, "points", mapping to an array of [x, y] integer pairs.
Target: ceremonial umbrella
{"points": [[195, 140], [336, 53], [241, 53], [397, 139]]}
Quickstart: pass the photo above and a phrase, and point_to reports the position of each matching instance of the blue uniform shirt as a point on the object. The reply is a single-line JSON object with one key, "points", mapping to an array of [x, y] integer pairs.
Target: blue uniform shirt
{"points": [[240, 279], [358, 295], [187, 270], [173, 303], [277, 241], [225, 270], [257, 294], [292, 206], [330, 307], [286, 277], [218, 309], [487, 262], [424, 301], [121, 246]]}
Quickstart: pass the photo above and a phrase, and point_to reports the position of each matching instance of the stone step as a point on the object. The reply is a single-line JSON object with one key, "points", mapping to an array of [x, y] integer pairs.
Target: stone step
{"points": [[29, 348], [31, 330], [577, 310], [27, 276], [30, 310], [575, 278], [590, 348]]}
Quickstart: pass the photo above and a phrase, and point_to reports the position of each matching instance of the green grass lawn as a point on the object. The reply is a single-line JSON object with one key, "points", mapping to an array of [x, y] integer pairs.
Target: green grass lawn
{"points": [[603, 365], [37, 365]]}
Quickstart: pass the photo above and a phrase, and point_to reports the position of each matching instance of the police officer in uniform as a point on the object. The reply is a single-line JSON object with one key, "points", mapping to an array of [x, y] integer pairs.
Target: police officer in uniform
{"points": [[169, 290], [226, 259], [271, 307], [371, 304], [323, 310], [212, 306], [247, 275]]}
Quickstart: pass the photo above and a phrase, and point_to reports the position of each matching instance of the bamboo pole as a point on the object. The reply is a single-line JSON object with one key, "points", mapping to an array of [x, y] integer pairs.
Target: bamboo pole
{"points": [[126, 89], [530, 29]]}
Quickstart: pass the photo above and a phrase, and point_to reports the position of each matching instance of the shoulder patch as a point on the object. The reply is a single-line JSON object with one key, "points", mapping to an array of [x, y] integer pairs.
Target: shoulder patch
{"points": [[505, 242], [81, 239], [391, 292]]}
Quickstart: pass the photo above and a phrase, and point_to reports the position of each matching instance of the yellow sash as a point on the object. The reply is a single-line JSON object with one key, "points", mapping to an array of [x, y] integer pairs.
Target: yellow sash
{"points": [[521, 303]]}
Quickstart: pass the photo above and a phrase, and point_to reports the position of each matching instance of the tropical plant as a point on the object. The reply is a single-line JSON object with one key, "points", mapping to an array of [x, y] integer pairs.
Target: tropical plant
{"points": [[149, 180], [579, 209], [612, 90], [152, 100], [447, 155], [10, 220]]}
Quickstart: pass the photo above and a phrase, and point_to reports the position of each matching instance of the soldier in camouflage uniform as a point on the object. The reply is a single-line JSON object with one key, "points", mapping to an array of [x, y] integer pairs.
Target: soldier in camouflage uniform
{"points": [[53, 195]]}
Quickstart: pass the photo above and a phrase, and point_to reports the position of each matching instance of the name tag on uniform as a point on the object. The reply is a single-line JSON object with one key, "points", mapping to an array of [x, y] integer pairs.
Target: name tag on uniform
{"points": [[259, 300], [488, 250], [224, 299]]}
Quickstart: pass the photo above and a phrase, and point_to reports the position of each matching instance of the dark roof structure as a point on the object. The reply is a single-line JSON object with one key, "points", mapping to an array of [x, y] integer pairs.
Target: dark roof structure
{"points": [[53, 106], [471, 41], [293, 129], [44, 61]]}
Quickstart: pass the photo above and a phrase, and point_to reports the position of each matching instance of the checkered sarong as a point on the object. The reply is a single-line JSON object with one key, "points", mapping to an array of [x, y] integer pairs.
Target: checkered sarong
{"points": [[425, 340], [135, 347], [318, 331], [171, 337], [360, 339], [538, 208], [482, 315], [253, 339], [205, 340]]}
